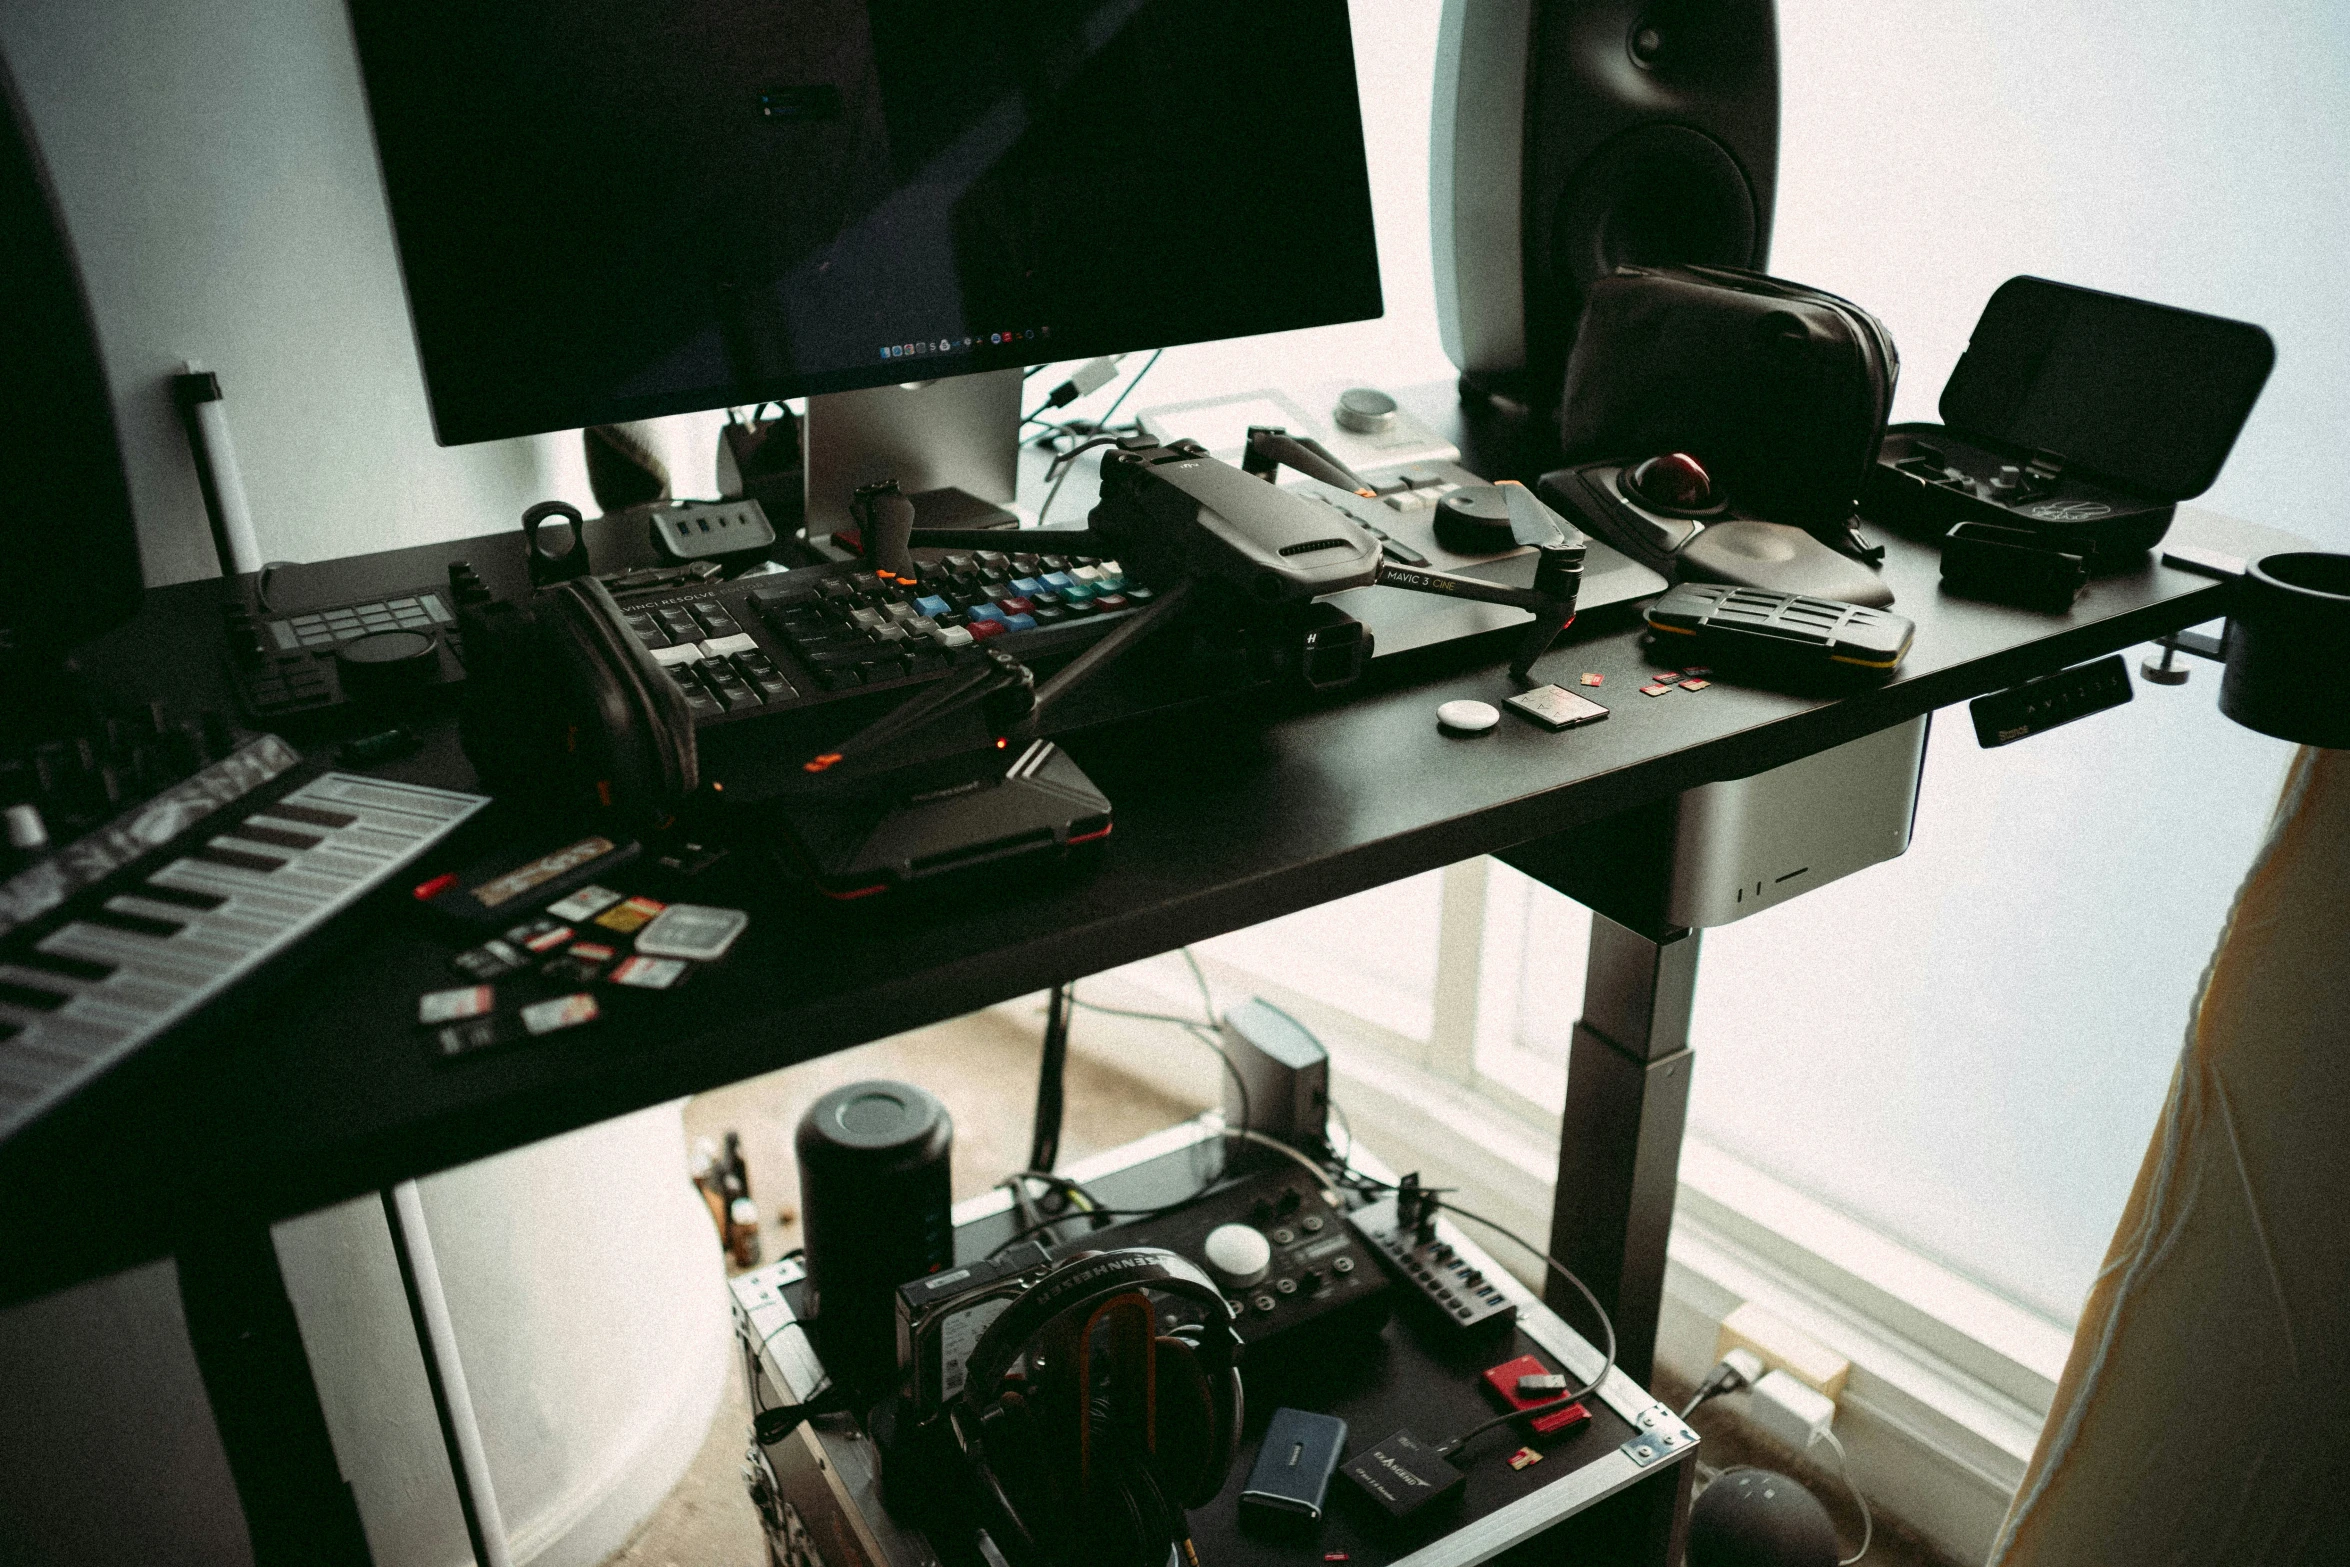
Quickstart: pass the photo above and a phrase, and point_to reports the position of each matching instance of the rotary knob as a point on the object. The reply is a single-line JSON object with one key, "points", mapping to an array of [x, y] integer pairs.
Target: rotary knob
{"points": [[1237, 1255], [388, 667], [1364, 411]]}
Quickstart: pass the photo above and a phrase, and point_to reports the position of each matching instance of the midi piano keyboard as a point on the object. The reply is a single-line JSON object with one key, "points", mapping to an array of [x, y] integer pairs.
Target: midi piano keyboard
{"points": [[125, 932]]}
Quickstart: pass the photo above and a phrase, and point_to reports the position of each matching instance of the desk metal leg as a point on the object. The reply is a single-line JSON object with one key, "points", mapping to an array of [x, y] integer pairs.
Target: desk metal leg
{"points": [[420, 1275], [1620, 1140], [299, 1510]]}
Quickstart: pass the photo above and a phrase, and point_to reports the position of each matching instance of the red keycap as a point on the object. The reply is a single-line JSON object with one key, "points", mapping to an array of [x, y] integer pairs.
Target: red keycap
{"points": [[983, 629]]}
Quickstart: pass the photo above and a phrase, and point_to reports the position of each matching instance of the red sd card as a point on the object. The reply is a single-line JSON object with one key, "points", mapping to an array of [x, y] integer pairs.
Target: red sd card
{"points": [[1503, 1379]]}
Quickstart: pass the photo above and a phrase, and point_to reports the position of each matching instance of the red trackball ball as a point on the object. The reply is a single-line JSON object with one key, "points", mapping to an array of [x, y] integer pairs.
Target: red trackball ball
{"points": [[1675, 480]]}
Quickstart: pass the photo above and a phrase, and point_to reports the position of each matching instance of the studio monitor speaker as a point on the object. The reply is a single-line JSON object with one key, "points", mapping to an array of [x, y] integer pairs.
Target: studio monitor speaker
{"points": [[1571, 137]]}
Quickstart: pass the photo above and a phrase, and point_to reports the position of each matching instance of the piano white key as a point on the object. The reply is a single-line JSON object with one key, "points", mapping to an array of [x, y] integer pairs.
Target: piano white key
{"points": [[101, 1012], [81, 1038], [343, 790], [366, 840], [137, 989], [189, 972], [324, 861], [188, 878]]}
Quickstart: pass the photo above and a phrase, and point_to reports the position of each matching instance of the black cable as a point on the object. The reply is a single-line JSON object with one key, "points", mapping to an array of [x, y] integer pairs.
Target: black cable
{"points": [[1543, 1408], [761, 1410], [1099, 1213], [1207, 999], [1606, 1323], [1347, 1126], [1103, 423], [1239, 1083], [1063, 1194], [1044, 1142]]}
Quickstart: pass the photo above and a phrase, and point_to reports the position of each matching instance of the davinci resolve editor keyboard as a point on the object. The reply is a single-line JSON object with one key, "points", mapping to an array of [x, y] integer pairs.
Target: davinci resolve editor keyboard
{"points": [[796, 639]]}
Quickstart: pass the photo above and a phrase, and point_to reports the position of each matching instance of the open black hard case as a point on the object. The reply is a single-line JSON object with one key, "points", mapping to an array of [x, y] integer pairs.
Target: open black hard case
{"points": [[2081, 417]]}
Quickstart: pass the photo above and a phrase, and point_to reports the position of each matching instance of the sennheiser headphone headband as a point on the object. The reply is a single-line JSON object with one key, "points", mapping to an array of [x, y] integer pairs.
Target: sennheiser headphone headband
{"points": [[1083, 1282]]}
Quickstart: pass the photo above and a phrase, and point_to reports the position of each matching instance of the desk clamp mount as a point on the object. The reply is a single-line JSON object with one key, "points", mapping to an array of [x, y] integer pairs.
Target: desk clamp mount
{"points": [[2166, 673]]}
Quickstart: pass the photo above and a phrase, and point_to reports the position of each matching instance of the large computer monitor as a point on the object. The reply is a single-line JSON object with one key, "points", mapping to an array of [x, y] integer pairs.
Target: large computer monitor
{"points": [[615, 209]]}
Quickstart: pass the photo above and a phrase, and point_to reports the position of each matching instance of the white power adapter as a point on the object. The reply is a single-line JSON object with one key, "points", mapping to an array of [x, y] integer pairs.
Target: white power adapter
{"points": [[1790, 1413]]}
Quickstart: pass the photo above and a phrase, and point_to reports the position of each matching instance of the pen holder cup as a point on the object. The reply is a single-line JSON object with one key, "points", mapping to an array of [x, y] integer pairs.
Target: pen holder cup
{"points": [[2289, 649]]}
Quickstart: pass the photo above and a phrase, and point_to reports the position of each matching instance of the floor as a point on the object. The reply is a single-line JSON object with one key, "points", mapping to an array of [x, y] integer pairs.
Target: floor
{"points": [[984, 1068]]}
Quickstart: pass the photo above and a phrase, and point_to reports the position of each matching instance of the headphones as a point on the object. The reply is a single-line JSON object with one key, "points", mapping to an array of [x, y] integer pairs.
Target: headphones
{"points": [[1089, 1459], [564, 707]]}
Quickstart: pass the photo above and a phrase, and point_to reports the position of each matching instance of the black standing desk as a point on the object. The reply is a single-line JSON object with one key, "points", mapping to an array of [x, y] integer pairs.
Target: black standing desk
{"points": [[318, 1089]]}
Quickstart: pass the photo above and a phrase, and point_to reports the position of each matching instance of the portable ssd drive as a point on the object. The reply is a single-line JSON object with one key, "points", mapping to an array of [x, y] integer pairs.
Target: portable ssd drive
{"points": [[1293, 1466]]}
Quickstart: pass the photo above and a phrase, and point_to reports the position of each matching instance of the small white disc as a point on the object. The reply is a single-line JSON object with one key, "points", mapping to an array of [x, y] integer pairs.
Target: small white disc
{"points": [[1468, 717]]}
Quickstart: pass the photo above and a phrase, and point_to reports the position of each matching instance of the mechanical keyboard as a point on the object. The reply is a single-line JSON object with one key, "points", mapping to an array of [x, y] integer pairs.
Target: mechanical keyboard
{"points": [[794, 640], [118, 936]]}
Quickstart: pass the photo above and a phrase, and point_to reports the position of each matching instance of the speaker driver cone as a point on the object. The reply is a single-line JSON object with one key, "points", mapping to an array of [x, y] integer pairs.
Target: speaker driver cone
{"points": [[1656, 195]]}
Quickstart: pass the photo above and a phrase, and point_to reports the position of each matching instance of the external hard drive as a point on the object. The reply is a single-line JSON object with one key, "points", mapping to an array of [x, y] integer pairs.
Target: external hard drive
{"points": [[1293, 1468]]}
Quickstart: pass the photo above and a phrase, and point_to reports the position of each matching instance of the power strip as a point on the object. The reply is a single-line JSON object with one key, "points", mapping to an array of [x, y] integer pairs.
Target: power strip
{"points": [[1434, 1265]]}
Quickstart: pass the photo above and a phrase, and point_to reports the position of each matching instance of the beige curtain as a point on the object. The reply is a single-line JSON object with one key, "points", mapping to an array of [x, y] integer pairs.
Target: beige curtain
{"points": [[2204, 1415]]}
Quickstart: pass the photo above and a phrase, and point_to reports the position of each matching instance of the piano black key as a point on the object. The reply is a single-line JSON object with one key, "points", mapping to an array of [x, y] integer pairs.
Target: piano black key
{"points": [[185, 897], [282, 837], [33, 998], [136, 924], [65, 965], [214, 854], [311, 814]]}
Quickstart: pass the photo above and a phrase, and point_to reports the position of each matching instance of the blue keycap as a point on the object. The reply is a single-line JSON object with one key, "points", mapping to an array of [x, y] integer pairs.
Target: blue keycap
{"points": [[985, 611], [1059, 580], [932, 605], [1027, 586]]}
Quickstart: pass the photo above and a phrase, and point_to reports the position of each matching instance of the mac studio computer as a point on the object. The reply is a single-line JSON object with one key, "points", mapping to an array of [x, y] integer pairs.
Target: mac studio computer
{"points": [[608, 212]]}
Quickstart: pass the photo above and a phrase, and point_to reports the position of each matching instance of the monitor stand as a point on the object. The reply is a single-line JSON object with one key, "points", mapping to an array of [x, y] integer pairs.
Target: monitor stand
{"points": [[959, 433]]}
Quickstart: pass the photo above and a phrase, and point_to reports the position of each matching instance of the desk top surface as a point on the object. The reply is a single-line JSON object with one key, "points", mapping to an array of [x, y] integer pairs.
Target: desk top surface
{"points": [[321, 1088]]}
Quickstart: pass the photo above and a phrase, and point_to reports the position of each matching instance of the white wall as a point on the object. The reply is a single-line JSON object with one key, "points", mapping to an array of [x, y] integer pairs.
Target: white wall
{"points": [[214, 166], [587, 1291], [1968, 1047]]}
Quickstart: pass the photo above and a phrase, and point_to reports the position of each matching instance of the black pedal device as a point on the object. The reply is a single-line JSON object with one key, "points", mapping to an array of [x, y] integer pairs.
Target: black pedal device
{"points": [[1402, 1230], [2005, 717], [1282, 1255]]}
